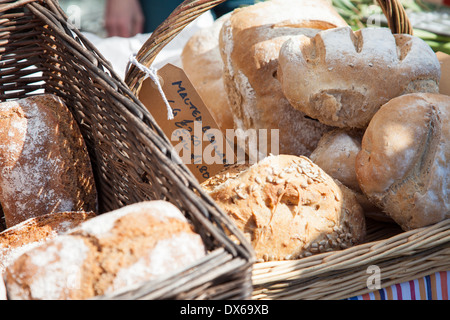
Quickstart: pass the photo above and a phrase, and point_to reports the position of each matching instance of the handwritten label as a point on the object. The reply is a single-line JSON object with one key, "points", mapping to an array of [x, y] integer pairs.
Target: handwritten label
{"points": [[195, 135]]}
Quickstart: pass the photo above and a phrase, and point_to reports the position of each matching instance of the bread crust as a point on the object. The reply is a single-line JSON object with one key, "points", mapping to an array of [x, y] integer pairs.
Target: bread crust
{"points": [[45, 166], [35, 231], [336, 155], [290, 208], [250, 42], [203, 65], [113, 251], [342, 77], [403, 164]]}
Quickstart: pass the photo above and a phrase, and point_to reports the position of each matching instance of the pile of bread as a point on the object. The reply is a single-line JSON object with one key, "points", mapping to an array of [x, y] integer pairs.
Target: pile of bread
{"points": [[363, 129], [55, 245]]}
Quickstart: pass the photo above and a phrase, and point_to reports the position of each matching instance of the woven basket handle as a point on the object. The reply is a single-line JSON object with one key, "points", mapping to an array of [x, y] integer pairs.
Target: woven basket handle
{"points": [[189, 10]]}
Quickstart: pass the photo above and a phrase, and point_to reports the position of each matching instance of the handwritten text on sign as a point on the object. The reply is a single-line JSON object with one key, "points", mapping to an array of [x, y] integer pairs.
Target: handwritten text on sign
{"points": [[192, 123]]}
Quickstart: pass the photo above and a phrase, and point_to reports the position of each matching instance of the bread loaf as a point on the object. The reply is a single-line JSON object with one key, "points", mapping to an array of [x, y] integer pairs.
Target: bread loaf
{"points": [[250, 42], [336, 154], [44, 163], [35, 231], [203, 65], [290, 208], [112, 251], [403, 166], [342, 78]]}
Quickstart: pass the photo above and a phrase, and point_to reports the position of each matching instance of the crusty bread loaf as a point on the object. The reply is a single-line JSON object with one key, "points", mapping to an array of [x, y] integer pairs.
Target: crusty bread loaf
{"points": [[44, 163], [229, 172], [342, 78], [250, 42], [33, 232], [112, 251], [203, 65], [289, 208], [403, 166], [336, 154]]}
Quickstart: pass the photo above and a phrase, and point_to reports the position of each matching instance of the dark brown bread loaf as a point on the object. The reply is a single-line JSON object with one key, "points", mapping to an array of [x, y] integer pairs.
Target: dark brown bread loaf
{"points": [[44, 164]]}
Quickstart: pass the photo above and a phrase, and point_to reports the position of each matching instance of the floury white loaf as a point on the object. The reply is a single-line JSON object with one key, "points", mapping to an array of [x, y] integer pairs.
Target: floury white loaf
{"points": [[44, 164], [250, 41], [112, 251], [403, 165], [342, 77]]}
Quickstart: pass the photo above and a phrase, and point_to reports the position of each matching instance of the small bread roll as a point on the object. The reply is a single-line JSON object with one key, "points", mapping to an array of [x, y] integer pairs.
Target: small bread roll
{"points": [[403, 166], [336, 155], [290, 208], [342, 77], [44, 163], [250, 42], [110, 252], [203, 65], [35, 231]]}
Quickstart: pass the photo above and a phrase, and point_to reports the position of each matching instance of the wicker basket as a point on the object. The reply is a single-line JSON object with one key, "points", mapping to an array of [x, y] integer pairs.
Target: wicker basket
{"points": [[41, 52], [401, 256]]}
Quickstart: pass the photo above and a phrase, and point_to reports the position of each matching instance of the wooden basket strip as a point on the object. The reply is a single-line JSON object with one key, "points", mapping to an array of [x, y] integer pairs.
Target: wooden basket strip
{"points": [[401, 245], [352, 282]]}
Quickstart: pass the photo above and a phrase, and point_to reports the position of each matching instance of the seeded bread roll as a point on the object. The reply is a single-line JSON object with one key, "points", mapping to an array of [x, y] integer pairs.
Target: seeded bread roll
{"points": [[229, 172], [44, 164], [290, 208], [35, 231], [342, 78], [112, 251], [403, 165], [203, 65], [250, 42]]}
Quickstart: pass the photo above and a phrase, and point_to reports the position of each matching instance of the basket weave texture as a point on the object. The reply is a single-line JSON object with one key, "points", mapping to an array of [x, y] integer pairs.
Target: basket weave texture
{"points": [[401, 256], [131, 157]]}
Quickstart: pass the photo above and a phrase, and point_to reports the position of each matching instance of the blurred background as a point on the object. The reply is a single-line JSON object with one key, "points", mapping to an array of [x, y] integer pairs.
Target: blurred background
{"points": [[118, 28]]}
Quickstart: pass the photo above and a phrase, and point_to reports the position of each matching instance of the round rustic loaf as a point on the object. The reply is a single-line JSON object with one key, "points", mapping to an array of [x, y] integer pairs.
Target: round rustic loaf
{"points": [[33, 232], [44, 164], [110, 252], [342, 77], [250, 41], [290, 208], [203, 65], [403, 166]]}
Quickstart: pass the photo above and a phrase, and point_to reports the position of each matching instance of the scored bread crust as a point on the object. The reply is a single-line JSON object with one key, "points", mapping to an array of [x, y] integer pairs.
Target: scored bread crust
{"points": [[403, 164], [342, 77], [250, 42]]}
